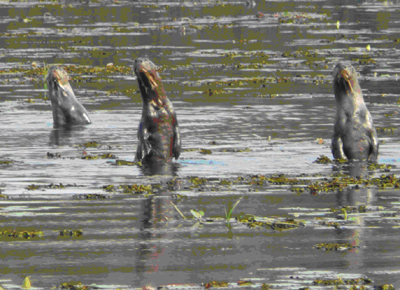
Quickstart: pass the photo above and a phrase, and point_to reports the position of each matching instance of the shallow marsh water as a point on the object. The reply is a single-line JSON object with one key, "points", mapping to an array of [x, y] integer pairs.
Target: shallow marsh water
{"points": [[239, 73]]}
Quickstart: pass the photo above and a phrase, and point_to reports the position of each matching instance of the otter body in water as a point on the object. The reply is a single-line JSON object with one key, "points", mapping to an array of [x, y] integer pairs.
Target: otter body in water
{"points": [[66, 108], [354, 134], [158, 134]]}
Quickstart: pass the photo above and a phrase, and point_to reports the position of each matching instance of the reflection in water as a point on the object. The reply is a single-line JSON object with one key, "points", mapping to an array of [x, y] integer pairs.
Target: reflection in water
{"points": [[353, 168], [65, 135], [354, 259], [154, 168], [155, 214]]}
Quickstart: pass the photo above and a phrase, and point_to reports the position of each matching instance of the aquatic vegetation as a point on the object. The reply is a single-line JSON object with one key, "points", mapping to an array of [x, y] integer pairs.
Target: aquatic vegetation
{"points": [[365, 60], [25, 234], [27, 284], [385, 287], [381, 167], [33, 187], [244, 283], [253, 221], [72, 285], [329, 224], [137, 188], [359, 209], [205, 151], [90, 196], [335, 246], [197, 214], [236, 150], [109, 188], [216, 284], [298, 18], [128, 163], [71, 233], [6, 162], [228, 213], [177, 209], [174, 184], [297, 189], [339, 281], [190, 149], [322, 159], [283, 180], [91, 144], [197, 181], [102, 156], [50, 186], [388, 130]]}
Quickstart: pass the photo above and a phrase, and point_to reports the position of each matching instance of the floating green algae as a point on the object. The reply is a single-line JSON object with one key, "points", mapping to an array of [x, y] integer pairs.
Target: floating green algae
{"points": [[25, 234], [70, 233], [340, 281], [137, 188], [90, 196], [323, 160], [72, 285], [269, 223], [216, 284], [50, 186], [127, 163], [335, 246]]}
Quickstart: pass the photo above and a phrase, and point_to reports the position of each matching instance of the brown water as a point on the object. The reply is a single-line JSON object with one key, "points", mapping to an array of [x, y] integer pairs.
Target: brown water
{"points": [[271, 92]]}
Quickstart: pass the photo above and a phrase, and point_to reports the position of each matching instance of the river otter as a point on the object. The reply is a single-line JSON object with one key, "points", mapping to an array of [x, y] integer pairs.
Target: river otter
{"points": [[66, 108], [354, 134], [158, 134]]}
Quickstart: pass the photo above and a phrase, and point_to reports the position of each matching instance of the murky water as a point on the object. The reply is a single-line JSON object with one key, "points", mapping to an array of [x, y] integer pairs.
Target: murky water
{"points": [[241, 75]]}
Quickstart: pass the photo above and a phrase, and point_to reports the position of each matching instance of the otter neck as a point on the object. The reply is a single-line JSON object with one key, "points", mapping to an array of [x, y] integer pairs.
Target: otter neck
{"points": [[349, 102], [155, 96]]}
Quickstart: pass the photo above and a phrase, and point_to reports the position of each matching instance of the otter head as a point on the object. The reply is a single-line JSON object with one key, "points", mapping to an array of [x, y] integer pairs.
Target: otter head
{"points": [[66, 108], [345, 80], [149, 81]]}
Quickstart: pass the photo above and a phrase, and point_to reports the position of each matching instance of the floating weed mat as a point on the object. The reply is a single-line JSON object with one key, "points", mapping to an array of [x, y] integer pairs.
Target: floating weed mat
{"points": [[24, 234], [340, 281], [239, 284], [126, 163], [256, 183], [50, 186], [6, 162], [335, 246], [101, 156], [270, 223], [93, 144], [138, 188], [91, 196], [71, 233], [38, 73]]}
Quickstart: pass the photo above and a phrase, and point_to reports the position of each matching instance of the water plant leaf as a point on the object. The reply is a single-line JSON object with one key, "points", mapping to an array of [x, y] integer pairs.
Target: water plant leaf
{"points": [[197, 214], [177, 209], [27, 283]]}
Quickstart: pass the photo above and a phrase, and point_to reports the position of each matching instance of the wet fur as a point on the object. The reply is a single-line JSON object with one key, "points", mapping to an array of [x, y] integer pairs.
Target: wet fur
{"points": [[354, 134], [66, 108], [158, 132]]}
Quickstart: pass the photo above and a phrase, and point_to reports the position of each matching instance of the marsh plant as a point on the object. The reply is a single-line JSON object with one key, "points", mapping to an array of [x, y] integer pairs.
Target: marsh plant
{"points": [[230, 207]]}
